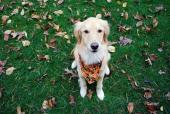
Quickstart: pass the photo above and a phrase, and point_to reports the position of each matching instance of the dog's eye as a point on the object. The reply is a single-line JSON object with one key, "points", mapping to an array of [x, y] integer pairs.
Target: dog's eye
{"points": [[99, 31], [86, 31]]}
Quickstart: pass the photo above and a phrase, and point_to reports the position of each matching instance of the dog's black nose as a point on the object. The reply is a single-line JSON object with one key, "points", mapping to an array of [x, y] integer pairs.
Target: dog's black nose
{"points": [[94, 45]]}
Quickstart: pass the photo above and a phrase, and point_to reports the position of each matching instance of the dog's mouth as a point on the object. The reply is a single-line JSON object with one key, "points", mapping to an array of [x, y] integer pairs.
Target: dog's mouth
{"points": [[94, 51]]}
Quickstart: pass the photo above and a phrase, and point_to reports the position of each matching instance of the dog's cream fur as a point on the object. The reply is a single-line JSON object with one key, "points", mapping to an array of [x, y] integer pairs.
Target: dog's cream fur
{"points": [[83, 49]]}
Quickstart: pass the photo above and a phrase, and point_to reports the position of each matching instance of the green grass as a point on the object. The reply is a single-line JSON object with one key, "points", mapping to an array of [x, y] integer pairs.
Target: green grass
{"points": [[28, 88]]}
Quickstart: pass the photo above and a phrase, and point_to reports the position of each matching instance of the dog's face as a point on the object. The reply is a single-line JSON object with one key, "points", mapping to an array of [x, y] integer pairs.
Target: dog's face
{"points": [[92, 33]]}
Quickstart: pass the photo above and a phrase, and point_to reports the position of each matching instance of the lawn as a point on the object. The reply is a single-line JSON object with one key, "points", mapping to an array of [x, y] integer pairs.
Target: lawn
{"points": [[37, 77]]}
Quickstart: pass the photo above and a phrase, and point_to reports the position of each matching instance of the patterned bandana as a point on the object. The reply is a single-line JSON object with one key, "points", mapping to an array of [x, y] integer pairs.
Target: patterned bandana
{"points": [[90, 72]]}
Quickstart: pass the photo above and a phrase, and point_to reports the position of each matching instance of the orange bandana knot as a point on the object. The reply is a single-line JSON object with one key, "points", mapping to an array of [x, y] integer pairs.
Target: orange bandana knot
{"points": [[90, 72]]}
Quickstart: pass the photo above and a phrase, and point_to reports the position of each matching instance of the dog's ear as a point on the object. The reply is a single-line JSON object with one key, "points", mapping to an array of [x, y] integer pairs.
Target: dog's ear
{"points": [[77, 32], [106, 30]]}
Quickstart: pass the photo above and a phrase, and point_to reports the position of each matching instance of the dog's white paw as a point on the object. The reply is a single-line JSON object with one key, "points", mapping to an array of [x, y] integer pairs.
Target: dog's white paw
{"points": [[107, 71], [73, 65], [100, 94], [83, 91]]}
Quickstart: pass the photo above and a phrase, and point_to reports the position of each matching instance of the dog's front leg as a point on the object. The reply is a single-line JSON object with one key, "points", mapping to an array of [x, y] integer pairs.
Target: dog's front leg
{"points": [[99, 88], [83, 86]]}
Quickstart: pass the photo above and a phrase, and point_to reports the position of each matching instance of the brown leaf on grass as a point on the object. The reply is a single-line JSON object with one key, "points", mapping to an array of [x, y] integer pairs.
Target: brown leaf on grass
{"points": [[15, 11], [148, 61], [70, 73], [52, 43], [124, 41], [125, 15], [73, 21], [148, 29], [48, 103], [58, 12], [139, 23], [19, 110], [4, 19], [2, 64], [43, 57], [35, 16], [59, 2], [147, 93], [155, 22], [138, 17], [153, 57], [27, 3], [72, 100], [159, 8], [130, 107], [26, 43], [1, 8], [152, 107], [10, 70], [123, 28], [107, 14], [7, 34], [168, 95], [90, 93]]}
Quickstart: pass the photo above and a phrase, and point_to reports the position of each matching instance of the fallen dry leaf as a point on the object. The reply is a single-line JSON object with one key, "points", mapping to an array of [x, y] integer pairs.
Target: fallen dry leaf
{"points": [[19, 110], [43, 57], [152, 107], [148, 29], [139, 23], [7, 34], [147, 93], [125, 15], [153, 57], [15, 11], [10, 70], [111, 49], [72, 100], [58, 12], [70, 73], [138, 17], [52, 43], [155, 22], [59, 2], [49, 103], [159, 8], [22, 12], [130, 107], [26, 43], [148, 61], [2, 64], [168, 95], [4, 19], [124, 41], [124, 4], [161, 72], [35, 16], [109, 1], [123, 28], [90, 93]]}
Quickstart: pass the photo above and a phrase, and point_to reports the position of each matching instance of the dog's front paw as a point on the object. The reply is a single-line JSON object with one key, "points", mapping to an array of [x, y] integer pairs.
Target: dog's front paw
{"points": [[107, 71], [100, 94], [73, 65], [83, 91]]}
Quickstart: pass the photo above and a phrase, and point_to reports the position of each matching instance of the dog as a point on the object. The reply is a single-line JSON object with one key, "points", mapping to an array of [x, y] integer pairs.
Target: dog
{"points": [[91, 53]]}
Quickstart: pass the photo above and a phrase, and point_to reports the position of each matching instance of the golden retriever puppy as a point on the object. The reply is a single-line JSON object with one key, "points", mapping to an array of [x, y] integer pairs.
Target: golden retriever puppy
{"points": [[91, 53]]}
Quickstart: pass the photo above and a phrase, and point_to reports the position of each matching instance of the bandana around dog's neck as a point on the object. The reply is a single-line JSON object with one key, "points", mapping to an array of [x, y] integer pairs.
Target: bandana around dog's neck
{"points": [[90, 72]]}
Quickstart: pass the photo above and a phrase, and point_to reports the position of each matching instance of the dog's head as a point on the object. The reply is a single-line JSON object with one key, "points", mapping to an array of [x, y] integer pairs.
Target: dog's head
{"points": [[92, 33]]}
